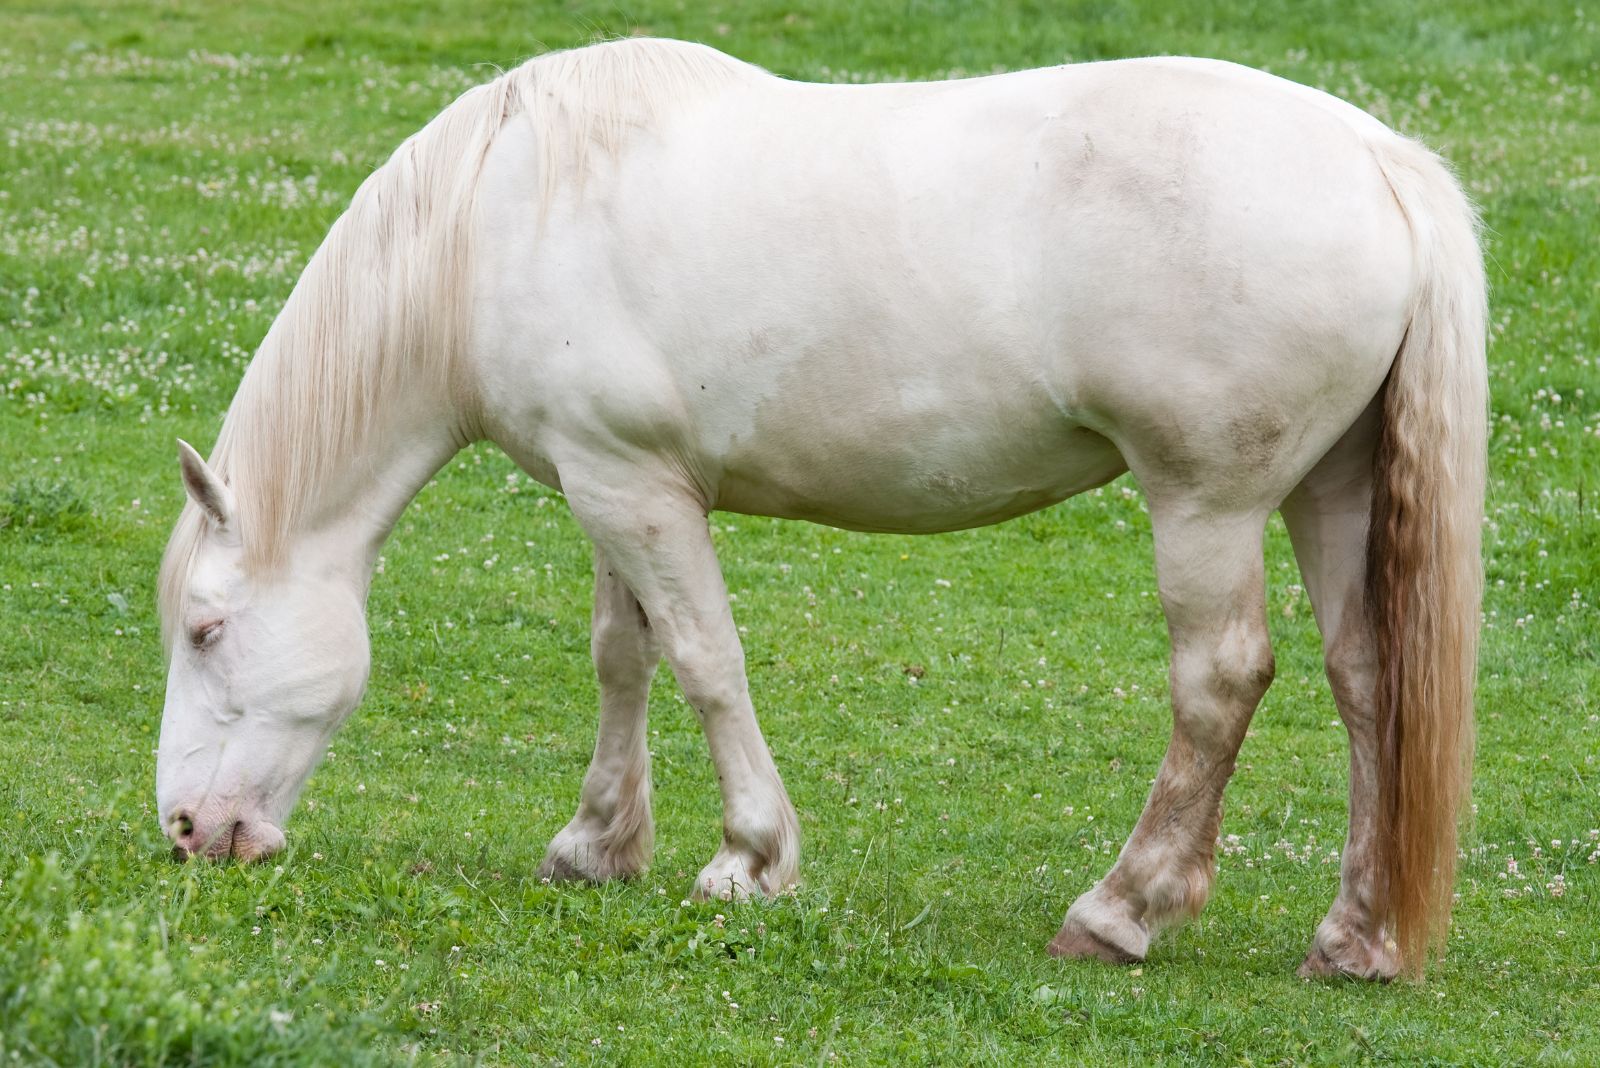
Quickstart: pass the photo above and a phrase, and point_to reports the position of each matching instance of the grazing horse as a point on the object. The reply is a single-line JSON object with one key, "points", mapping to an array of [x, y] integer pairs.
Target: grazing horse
{"points": [[666, 282]]}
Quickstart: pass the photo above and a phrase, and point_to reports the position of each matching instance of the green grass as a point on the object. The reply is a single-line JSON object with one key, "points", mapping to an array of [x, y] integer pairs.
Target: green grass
{"points": [[165, 170]]}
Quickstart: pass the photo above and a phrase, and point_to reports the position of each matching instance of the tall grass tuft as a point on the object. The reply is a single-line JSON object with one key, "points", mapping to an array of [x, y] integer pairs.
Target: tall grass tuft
{"points": [[113, 985]]}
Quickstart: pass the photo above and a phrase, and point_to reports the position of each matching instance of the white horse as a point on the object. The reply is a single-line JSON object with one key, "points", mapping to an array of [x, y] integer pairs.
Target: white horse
{"points": [[664, 281]]}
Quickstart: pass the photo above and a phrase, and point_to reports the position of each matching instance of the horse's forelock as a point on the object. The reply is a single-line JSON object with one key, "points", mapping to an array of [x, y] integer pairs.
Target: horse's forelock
{"points": [[176, 564]]}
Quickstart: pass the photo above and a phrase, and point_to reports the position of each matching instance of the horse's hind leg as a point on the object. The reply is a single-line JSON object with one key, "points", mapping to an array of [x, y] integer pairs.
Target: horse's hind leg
{"points": [[1211, 576], [611, 835], [1327, 520], [656, 540]]}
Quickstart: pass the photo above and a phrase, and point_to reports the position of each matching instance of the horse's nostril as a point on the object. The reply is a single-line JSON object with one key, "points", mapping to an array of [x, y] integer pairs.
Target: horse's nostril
{"points": [[182, 825]]}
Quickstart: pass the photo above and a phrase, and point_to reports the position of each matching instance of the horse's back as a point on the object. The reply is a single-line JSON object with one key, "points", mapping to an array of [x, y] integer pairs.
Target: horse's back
{"points": [[932, 305]]}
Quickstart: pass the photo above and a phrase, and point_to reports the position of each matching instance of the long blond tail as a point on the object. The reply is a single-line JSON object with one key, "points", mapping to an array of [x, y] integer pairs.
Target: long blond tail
{"points": [[1424, 570]]}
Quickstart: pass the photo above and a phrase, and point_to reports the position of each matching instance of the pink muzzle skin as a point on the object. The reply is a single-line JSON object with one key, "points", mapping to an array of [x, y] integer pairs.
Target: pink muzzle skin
{"points": [[242, 839]]}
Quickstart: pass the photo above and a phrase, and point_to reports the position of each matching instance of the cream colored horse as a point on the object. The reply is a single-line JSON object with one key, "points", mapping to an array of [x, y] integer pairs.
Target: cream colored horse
{"points": [[667, 282]]}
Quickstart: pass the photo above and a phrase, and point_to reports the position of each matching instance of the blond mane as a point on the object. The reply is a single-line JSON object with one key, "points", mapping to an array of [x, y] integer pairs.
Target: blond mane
{"points": [[382, 306]]}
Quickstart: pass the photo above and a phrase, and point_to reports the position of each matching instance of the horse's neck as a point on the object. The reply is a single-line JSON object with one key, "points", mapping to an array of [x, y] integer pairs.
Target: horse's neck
{"points": [[358, 364], [361, 503]]}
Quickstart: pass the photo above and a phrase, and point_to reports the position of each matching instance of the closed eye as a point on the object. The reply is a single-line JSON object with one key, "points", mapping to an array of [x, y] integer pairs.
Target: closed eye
{"points": [[206, 634]]}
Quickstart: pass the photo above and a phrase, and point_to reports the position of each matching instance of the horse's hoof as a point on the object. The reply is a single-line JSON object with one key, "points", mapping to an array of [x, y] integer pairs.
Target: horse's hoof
{"points": [[1076, 942], [556, 868], [581, 865], [729, 878], [1101, 926], [1353, 960], [588, 851], [734, 884]]}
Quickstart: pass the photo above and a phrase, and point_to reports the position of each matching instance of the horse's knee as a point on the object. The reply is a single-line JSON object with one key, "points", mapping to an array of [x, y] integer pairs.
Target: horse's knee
{"points": [[711, 686], [623, 645], [622, 659], [709, 667]]}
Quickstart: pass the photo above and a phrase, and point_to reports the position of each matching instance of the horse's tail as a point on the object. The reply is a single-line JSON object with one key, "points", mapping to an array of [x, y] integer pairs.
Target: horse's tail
{"points": [[1424, 569]]}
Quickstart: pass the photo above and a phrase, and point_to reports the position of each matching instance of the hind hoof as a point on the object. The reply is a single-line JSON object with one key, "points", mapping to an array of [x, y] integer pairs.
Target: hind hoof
{"points": [[1076, 942], [1336, 954], [1099, 927]]}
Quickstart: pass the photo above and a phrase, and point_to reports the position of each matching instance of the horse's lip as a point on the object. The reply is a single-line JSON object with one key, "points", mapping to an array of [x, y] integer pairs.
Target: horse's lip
{"points": [[256, 840]]}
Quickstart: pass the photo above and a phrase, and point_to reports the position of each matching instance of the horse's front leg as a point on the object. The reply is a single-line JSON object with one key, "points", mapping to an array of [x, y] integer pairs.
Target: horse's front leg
{"points": [[656, 539], [1211, 579], [612, 835]]}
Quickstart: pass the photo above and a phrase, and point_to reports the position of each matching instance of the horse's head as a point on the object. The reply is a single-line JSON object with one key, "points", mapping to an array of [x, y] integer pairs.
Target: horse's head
{"points": [[265, 663]]}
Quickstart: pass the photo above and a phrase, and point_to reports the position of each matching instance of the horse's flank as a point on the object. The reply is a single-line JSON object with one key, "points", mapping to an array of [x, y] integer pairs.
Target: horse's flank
{"points": [[383, 304]]}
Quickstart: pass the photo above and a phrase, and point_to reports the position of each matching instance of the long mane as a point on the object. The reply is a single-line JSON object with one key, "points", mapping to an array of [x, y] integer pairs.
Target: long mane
{"points": [[383, 304]]}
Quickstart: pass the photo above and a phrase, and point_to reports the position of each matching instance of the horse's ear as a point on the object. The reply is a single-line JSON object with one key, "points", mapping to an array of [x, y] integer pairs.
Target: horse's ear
{"points": [[203, 485]]}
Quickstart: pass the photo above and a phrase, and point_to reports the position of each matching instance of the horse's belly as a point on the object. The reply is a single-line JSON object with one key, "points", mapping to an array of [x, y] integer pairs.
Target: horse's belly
{"points": [[913, 480]]}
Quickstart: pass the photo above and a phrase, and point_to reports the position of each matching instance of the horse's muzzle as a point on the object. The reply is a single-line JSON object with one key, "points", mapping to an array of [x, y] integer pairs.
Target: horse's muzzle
{"points": [[241, 839]]}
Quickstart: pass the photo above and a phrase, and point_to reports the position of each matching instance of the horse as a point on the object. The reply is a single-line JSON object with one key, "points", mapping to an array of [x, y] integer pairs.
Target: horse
{"points": [[665, 282]]}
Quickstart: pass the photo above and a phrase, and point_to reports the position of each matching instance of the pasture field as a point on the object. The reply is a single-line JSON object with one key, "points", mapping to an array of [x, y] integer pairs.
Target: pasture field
{"points": [[968, 723]]}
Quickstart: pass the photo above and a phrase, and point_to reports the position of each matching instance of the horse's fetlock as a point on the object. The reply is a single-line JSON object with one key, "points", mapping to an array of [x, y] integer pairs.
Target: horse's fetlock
{"points": [[1179, 894]]}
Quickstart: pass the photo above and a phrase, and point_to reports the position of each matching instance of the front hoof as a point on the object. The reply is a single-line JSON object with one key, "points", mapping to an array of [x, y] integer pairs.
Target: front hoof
{"points": [[734, 875], [730, 889], [726, 878], [557, 868], [588, 858]]}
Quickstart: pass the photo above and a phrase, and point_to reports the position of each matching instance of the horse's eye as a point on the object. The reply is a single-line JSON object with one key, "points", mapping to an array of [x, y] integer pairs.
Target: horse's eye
{"points": [[205, 634]]}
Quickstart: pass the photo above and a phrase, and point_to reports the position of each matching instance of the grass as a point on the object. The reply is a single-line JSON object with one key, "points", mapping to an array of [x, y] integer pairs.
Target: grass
{"points": [[965, 757]]}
